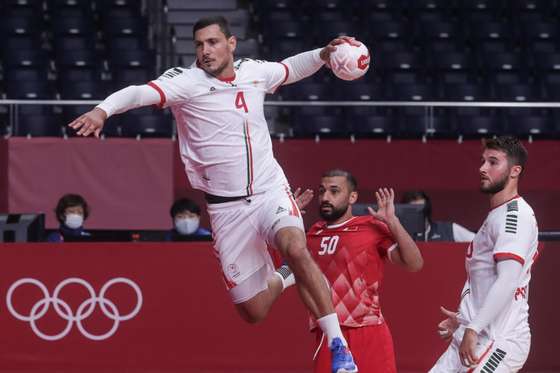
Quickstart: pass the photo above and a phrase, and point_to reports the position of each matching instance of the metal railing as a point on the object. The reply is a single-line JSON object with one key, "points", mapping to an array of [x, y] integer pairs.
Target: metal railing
{"points": [[429, 106]]}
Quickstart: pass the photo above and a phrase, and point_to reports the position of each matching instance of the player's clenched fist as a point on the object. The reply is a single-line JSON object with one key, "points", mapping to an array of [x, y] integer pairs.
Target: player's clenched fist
{"points": [[90, 122]]}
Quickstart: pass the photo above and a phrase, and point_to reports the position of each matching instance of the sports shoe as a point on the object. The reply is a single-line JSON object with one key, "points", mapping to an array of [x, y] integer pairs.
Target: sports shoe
{"points": [[342, 360]]}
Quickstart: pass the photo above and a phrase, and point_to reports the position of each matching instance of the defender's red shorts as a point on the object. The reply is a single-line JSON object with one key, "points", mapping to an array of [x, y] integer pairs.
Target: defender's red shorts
{"points": [[371, 346]]}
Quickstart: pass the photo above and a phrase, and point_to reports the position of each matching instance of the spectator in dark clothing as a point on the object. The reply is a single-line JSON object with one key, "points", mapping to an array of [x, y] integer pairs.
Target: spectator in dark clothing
{"points": [[71, 212], [437, 230], [186, 221]]}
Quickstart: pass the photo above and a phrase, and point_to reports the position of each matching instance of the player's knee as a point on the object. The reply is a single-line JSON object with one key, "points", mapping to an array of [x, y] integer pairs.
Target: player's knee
{"points": [[291, 243], [296, 252], [252, 313], [253, 317]]}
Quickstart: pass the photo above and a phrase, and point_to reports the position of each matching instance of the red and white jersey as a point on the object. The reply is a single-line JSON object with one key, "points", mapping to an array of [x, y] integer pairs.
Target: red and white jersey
{"points": [[351, 256], [509, 232], [223, 135]]}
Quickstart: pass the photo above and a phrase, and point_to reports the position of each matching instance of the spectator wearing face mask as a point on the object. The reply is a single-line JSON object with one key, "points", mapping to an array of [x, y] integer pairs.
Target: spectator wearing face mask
{"points": [[186, 221], [71, 212]]}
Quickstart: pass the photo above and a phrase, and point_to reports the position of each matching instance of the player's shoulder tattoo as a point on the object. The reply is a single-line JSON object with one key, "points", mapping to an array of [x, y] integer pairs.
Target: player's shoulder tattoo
{"points": [[172, 73]]}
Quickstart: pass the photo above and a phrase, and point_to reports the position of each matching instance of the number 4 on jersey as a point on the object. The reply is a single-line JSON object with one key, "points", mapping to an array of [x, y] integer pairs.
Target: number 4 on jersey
{"points": [[240, 102], [328, 245]]}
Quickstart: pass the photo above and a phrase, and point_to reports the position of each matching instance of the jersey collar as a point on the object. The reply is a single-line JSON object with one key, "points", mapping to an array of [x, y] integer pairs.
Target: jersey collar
{"points": [[339, 224], [228, 79], [509, 200]]}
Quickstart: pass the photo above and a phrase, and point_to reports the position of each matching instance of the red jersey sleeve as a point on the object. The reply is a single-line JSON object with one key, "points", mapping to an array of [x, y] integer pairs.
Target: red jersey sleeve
{"points": [[386, 241]]}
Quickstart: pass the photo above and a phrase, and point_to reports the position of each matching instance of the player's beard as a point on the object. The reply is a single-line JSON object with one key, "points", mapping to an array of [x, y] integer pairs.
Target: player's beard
{"points": [[497, 186], [218, 70], [334, 214]]}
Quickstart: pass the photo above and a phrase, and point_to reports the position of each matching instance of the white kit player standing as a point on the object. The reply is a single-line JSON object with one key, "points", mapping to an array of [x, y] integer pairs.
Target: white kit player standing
{"points": [[491, 333], [227, 151]]}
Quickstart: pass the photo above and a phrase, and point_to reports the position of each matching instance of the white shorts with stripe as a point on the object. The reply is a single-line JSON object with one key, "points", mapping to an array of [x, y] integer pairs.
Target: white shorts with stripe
{"points": [[242, 230], [506, 355]]}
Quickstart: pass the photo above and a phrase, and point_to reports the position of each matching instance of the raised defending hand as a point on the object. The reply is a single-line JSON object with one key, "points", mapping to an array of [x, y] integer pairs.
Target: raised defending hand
{"points": [[90, 122], [303, 199], [331, 47], [385, 205], [447, 327]]}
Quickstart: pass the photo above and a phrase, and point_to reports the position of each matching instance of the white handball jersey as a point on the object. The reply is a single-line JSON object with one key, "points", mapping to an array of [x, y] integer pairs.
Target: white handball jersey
{"points": [[223, 136], [509, 232]]}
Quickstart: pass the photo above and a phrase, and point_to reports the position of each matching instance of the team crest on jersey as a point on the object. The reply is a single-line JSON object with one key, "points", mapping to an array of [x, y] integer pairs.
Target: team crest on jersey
{"points": [[233, 270], [513, 206]]}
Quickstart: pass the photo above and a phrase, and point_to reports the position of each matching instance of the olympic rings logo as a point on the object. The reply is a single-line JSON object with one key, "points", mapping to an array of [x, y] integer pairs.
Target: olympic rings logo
{"points": [[84, 310]]}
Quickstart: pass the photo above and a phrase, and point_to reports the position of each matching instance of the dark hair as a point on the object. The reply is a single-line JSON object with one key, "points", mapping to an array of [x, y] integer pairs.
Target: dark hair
{"points": [[515, 151], [70, 200], [182, 205], [216, 20], [352, 182], [413, 195]]}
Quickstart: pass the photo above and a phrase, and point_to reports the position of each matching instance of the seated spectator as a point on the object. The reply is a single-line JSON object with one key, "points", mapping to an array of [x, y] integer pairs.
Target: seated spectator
{"points": [[71, 212], [437, 230], [186, 221]]}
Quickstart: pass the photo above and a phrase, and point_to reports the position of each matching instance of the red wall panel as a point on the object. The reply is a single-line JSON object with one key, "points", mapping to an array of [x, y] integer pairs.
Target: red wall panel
{"points": [[446, 170], [127, 183], [131, 184], [186, 322]]}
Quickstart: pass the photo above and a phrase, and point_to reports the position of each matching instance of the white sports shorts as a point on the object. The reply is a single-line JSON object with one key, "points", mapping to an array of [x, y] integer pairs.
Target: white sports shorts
{"points": [[242, 230], [507, 355]]}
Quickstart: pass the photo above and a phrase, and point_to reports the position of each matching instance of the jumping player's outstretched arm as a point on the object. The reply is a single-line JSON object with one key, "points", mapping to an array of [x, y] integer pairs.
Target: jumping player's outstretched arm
{"points": [[128, 98]]}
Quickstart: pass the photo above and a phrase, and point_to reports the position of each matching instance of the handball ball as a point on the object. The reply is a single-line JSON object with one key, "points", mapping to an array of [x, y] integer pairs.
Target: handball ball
{"points": [[350, 62]]}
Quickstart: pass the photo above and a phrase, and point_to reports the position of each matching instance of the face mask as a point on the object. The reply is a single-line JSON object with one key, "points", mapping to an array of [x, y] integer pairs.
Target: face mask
{"points": [[74, 221], [187, 225]]}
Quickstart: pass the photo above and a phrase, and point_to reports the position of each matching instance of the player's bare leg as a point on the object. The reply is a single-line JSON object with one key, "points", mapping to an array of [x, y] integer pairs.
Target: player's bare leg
{"points": [[255, 309], [291, 244], [314, 292], [309, 278]]}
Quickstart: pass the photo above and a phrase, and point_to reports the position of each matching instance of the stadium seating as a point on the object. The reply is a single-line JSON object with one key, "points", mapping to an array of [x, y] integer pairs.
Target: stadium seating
{"points": [[146, 125], [70, 49], [462, 50], [424, 50], [38, 125]]}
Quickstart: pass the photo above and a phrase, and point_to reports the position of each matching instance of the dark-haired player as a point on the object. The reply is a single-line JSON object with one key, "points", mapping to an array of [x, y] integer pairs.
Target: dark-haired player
{"points": [[490, 333]]}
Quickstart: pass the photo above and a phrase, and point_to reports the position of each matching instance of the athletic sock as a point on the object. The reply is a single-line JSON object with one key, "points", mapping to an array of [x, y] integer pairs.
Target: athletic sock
{"points": [[286, 276], [330, 326]]}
